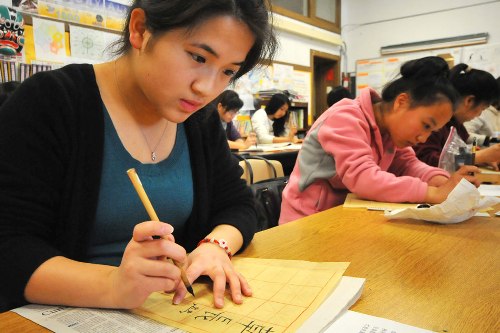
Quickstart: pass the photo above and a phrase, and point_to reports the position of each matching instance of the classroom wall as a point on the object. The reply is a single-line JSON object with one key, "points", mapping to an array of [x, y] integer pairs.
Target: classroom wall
{"points": [[368, 25], [296, 49]]}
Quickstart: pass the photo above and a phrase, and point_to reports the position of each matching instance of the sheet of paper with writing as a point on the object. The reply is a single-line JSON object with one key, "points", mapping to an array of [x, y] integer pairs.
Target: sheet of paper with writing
{"points": [[285, 294]]}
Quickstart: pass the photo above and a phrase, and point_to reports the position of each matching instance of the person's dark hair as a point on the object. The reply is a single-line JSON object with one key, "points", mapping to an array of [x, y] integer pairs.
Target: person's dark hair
{"points": [[6, 89], [163, 16], [230, 100], [426, 80], [277, 101], [336, 94], [471, 81]]}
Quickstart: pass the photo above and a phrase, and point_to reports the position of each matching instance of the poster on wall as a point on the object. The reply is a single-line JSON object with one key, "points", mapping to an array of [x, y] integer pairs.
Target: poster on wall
{"points": [[485, 57], [50, 43], [375, 73]]}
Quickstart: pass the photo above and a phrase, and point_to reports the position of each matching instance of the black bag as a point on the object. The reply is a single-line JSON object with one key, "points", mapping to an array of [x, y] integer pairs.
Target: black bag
{"points": [[267, 194]]}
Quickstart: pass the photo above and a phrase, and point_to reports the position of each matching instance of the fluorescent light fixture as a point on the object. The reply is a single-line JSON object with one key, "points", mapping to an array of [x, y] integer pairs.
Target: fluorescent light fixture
{"points": [[441, 43]]}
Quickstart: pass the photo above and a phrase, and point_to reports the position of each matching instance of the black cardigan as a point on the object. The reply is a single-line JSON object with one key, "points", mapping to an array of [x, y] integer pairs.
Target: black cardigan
{"points": [[51, 146]]}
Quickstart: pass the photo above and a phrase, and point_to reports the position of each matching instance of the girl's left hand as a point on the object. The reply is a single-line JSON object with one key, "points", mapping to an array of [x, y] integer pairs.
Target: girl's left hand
{"points": [[211, 260]]}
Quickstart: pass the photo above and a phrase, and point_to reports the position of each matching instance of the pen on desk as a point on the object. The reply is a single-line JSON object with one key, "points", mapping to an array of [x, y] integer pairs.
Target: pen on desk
{"points": [[252, 131], [473, 154], [474, 147], [378, 209], [134, 178]]}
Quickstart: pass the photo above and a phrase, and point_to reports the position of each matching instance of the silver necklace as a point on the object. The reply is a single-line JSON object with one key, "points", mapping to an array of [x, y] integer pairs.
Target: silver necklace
{"points": [[153, 151]]}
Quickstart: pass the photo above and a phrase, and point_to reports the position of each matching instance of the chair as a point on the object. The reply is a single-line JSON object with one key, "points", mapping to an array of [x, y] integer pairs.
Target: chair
{"points": [[261, 170], [267, 181]]}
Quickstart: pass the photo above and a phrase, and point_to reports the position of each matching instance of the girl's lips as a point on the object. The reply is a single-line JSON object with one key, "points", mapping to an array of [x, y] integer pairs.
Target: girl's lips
{"points": [[189, 106]]}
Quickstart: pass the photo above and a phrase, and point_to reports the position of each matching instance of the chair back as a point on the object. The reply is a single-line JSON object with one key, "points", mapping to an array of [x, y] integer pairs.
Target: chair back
{"points": [[261, 170]]}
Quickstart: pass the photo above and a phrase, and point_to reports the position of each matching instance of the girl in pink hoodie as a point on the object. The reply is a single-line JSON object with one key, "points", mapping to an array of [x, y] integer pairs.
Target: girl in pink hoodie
{"points": [[364, 145]]}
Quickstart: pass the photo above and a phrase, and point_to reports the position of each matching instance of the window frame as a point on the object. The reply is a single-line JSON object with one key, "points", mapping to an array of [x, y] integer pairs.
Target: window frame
{"points": [[312, 19]]}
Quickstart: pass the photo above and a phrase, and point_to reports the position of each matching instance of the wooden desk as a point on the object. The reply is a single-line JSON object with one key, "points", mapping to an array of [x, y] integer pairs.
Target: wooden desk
{"points": [[443, 278], [489, 176]]}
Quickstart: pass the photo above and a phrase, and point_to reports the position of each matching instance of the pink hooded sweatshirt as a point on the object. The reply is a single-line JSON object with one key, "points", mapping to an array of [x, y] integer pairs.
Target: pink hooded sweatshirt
{"points": [[344, 152]]}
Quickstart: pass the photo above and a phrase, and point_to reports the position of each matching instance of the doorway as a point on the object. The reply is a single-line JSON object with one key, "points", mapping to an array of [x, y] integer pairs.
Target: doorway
{"points": [[326, 76]]}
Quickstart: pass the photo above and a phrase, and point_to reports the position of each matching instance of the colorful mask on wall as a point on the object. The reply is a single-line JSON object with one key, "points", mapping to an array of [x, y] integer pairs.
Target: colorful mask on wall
{"points": [[11, 31]]}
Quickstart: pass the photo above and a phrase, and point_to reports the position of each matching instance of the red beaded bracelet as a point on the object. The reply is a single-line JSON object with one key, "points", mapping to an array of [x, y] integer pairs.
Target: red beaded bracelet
{"points": [[222, 243]]}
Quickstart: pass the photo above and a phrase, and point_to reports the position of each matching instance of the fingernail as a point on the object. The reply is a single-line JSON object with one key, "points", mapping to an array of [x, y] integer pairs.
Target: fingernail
{"points": [[167, 229], [219, 302], [176, 300]]}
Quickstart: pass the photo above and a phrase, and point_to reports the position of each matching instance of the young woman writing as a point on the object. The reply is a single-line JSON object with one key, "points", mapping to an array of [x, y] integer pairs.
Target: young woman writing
{"points": [[228, 104], [271, 124], [477, 89], [71, 225], [363, 146]]}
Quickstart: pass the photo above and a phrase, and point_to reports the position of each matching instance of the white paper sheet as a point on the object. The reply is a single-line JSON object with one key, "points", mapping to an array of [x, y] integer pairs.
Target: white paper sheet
{"points": [[489, 190], [462, 203], [342, 298], [355, 322], [64, 319]]}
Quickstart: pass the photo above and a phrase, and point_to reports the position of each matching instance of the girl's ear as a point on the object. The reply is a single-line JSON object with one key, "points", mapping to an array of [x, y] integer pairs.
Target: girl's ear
{"points": [[469, 101], [137, 28], [402, 102]]}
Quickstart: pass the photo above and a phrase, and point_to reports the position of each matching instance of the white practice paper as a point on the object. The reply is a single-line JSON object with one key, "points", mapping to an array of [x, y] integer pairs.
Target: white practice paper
{"points": [[63, 319], [462, 203], [355, 322]]}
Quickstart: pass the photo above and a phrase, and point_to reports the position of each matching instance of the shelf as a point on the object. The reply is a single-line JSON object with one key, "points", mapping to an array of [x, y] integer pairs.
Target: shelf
{"points": [[28, 15]]}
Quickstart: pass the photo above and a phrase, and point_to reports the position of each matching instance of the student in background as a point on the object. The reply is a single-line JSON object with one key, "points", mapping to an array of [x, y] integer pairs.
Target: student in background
{"points": [[71, 224], [271, 124], [336, 94], [477, 89], [486, 128], [228, 104], [363, 146]]}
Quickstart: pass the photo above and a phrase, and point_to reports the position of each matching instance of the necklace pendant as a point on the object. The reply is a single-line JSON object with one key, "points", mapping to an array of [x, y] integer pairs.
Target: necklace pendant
{"points": [[153, 156]]}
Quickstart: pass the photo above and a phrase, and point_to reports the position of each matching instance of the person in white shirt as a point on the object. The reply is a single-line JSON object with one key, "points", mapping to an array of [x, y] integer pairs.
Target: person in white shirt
{"points": [[486, 128], [271, 124]]}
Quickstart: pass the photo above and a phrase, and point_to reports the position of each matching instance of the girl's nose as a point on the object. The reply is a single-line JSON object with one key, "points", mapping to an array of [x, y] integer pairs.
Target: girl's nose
{"points": [[205, 84], [421, 138]]}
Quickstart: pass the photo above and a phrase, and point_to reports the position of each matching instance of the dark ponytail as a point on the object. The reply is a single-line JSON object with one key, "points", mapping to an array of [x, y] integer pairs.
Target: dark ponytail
{"points": [[476, 82], [425, 80]]}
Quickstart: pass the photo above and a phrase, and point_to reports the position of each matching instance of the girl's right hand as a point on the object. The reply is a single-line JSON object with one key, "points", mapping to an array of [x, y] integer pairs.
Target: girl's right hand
{"points": [[143, 269], [251, 139], [489, 155], [437, 195], [291, 133]]}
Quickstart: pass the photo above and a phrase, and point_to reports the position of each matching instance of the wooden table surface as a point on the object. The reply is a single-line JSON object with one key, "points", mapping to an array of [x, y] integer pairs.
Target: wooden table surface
{"points": [[443, 278]]}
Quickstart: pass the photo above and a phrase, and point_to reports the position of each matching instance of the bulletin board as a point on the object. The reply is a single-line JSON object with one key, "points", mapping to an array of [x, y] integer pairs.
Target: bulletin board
{"points": [[376, 72], [276, 76]]}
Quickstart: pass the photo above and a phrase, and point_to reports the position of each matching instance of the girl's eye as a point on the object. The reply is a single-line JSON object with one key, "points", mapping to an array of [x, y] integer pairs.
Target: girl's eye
{"points": [[198, 58], [427, 127], [229, 72]]}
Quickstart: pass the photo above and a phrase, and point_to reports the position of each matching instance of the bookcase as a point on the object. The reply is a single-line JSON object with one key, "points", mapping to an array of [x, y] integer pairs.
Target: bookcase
{"points": [[59, 32]]}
